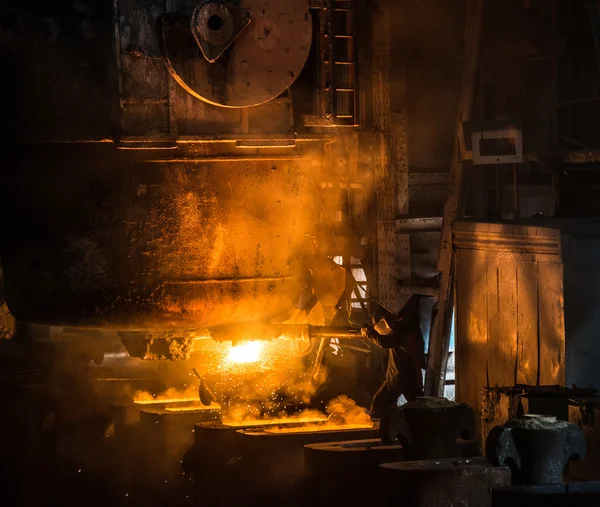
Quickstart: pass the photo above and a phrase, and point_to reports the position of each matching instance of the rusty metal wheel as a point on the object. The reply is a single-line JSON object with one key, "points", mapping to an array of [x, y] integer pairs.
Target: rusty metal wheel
{"points": [[237, 55]]}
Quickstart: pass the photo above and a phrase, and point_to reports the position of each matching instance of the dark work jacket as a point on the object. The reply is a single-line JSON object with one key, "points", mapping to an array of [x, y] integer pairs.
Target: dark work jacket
{"points": [[404, 346]]}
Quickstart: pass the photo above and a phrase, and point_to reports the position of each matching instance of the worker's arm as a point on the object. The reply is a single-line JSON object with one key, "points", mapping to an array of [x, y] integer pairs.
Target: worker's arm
{"points": [[402, 326], [390, 341]]}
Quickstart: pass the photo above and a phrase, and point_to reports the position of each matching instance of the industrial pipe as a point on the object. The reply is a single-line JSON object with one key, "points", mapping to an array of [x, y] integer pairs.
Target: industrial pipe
{"points": [[261, 331]]}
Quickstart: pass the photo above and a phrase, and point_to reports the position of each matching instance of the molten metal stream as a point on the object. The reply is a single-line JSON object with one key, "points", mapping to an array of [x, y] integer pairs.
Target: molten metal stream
{"points": [[246, 352]]}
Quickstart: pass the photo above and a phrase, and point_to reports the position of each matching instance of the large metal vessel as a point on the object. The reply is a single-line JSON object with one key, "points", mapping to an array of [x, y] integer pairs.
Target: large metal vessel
{"points": [[175, 165]]}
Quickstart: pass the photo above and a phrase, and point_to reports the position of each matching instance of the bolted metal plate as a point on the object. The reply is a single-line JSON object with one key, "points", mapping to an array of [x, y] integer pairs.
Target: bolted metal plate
{"points": [[215, 25], [256, 63]]}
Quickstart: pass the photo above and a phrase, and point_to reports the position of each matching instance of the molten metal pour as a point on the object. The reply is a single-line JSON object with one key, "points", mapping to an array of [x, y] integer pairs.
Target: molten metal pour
{"points": [[250, 351]]}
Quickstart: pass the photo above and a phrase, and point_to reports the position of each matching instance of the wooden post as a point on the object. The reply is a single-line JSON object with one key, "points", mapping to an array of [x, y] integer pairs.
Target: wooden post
{"points": [[515, 192], [439, 338]]}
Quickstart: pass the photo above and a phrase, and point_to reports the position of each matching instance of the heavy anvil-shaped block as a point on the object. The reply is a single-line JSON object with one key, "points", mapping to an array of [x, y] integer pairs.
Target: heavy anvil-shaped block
{"points": [[536, 448], [429, 427]]}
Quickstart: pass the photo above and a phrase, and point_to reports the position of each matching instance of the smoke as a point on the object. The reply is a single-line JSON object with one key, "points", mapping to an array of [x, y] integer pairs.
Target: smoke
{"points": [[340, 411], [274, 388], [343, 410], [171, 394], [245, 414]]}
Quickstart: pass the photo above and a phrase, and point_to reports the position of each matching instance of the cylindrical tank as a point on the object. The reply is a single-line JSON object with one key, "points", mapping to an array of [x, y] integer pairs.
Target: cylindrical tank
{"points": [[154, 187], [143, 240], [442, 482]]}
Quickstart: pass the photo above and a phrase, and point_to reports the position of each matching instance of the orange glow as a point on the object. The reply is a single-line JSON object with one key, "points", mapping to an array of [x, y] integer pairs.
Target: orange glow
{"points": [[162, 401], [170, 396], [255, 382], [246, 352], [319, 427], [290, 421], [194, 408]]}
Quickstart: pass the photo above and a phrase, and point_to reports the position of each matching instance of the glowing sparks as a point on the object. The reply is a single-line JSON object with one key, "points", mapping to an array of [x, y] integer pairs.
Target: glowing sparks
{"points": [[256, 383], [247, 352]]}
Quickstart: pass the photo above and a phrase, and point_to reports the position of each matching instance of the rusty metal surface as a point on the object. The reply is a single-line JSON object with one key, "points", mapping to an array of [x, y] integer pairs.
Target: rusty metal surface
{"points": [[215, 25], [260, 64], [428, 428], [252, 442], [536, 448], [387, 239], [264, 461], [444, 483], [572, 494], [503, 404], [418, 224], [347, 473], [164, 438], [155, 346], [332, 457], [131, 248], [381, 66], [154, 110], [386, 185], [400, 154], [142, 78]]}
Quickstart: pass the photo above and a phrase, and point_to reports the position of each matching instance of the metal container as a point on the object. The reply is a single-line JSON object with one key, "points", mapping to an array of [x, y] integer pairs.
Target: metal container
{"points": [[169, 242], [439, 483], [573, 494], [265, 462], [347, 472]]}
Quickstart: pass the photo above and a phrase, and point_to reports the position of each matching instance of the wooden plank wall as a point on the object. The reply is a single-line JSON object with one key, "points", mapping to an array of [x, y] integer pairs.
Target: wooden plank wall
{"points": [[527, 328], [509, 322], [551, 329]]}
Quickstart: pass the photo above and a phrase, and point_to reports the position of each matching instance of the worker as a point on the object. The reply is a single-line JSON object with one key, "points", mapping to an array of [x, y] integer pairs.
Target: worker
{"points": [[402, 342]]}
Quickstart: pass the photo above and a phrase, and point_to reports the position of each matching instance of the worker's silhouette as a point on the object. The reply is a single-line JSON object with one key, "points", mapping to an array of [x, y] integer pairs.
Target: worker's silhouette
{"points": [[403, 348]]}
